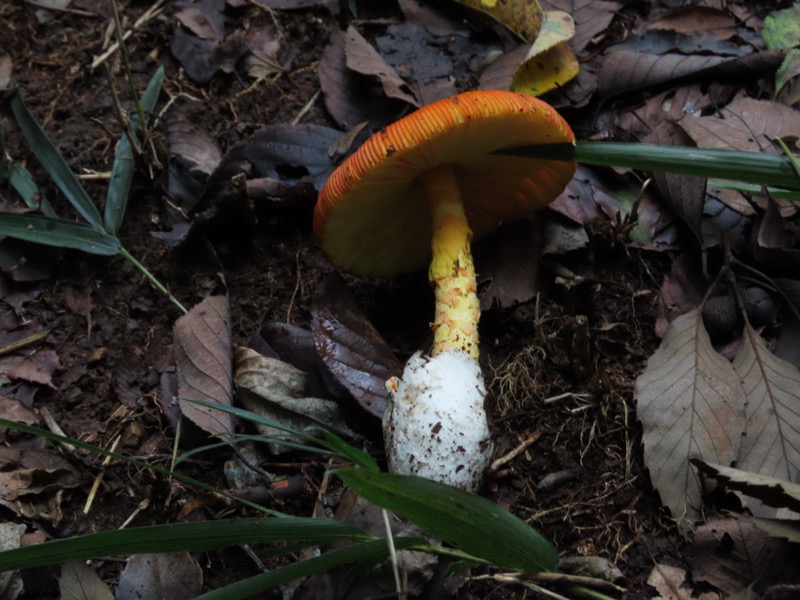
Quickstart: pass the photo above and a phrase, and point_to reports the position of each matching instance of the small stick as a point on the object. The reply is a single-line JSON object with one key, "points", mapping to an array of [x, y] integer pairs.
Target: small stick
{"points": [[31, 339], [142, 506], [93, 492], [151, 13], [54, 427], [306, 108], [526, 442]]}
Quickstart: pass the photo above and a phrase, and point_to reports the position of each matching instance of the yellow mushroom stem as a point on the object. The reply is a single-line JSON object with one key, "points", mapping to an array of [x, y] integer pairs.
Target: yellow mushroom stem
{"points": [[452, 271]]}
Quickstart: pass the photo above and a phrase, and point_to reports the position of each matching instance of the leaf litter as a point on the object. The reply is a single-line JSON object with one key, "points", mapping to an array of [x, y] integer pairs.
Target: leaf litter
{"points": [[365, 78]]}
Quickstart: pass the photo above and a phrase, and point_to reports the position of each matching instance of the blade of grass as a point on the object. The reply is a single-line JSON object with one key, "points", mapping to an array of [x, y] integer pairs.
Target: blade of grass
{"points": [[124, 163], [156, 283], [375, 550], [190, 537], [55, 165], [474, 524], [58, 232], [734, 165]]}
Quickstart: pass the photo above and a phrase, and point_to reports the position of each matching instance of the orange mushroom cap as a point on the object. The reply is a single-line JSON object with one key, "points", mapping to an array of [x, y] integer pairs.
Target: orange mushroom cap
{"points": [[372, 216]]}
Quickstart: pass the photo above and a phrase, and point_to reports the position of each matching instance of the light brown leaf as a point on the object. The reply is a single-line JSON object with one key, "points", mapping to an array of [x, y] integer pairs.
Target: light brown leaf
{"points": [[78, 581], [770, 446], [523, 17], [203, 357], [771, 491], [691, 405], [591, 17]]}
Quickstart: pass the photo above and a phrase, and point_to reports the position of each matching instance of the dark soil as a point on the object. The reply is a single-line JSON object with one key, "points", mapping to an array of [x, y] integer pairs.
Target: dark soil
{"points": [[582, 484]]}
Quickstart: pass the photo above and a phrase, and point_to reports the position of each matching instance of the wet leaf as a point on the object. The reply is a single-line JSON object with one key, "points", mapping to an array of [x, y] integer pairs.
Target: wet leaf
{"points": [[523, 17], [351, 347], [691, 405], [203, 358], [176, 575], [550, 62], [78, 581], [772, 385]]}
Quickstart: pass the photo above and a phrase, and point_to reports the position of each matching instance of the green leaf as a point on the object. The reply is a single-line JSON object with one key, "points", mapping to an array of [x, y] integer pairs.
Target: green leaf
{"points": [[375, 550], [190, 537], [55, 165], [782, 28], [52, 231], [124, 163], [476, 525]]}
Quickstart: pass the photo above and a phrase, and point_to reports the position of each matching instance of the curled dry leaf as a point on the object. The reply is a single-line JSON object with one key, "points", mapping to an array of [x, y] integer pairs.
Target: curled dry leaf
{"points": [[203, 360], [773, 492], [550, 62], [277, 390], [691, 405], [591, 18], [351, 347]]}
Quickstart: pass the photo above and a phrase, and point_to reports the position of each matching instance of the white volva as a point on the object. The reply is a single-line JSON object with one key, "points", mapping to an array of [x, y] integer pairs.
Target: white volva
{"points": [[435, 423]]}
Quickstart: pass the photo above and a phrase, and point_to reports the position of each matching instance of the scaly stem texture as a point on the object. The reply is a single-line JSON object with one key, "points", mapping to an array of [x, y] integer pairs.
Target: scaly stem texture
{"points": [[452, 271]]}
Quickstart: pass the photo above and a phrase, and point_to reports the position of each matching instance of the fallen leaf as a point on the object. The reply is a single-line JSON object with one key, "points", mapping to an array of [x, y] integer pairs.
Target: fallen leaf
{"points": [[351, 347], [691, 405], [276, 390], [779, 528], [78, 581], [523, 17], [591, 17], [203, 358], [262, 61], [202, 58], [35, 368], [782, 28], [771, 491], [11, 585], [550, 62], [732, 553], [769, 446], [175, 575]]}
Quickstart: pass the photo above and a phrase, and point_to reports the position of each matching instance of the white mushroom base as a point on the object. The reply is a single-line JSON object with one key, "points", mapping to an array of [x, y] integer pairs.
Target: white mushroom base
{"points": [[435, 424]]}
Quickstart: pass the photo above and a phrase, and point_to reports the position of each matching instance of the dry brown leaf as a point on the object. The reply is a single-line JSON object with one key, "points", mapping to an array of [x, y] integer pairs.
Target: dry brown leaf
{"points": [[79, 581], [731, 553], [691, 405], [770, 446], [591, 17], [523, 17], [203, 358], [771, 491], [744, 124]]}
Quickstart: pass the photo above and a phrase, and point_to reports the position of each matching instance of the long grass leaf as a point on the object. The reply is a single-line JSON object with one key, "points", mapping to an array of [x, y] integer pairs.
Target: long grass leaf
{"points": [[122, 171], [55, 165], [375, 550], [474, 524], [733, 165], [54, 437], [190, 537], [52, 231]]}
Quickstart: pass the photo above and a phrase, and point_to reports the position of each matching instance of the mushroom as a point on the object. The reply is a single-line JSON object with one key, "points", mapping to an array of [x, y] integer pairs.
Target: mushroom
{"points": [[413, 194]]}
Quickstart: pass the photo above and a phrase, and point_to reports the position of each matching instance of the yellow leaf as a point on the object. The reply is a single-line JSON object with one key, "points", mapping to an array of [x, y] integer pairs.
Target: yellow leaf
{"points": [[551, 62], [523, 17]]}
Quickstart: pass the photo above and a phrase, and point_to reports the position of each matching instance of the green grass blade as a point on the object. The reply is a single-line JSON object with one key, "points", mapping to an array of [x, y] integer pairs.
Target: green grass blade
{"points": [[58, 232], [190, 537], [375, 550], [51, 159], [124, 163], [750, 167], [474, 524]]}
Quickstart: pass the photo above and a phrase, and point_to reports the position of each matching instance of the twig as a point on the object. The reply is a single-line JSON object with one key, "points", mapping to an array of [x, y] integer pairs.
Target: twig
{"points": [[392, 553], [31, 339], [137, 511], [54, 427], [526, 442], [96, 484], [149, 14], [306, 108]]}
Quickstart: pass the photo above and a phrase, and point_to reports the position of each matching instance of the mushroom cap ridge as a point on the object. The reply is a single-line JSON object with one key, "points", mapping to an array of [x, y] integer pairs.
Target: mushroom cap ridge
{"points": [[372, 216]]}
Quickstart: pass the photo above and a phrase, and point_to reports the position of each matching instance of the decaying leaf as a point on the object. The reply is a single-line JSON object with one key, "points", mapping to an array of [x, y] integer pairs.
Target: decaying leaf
{"points": [[732, 553], [591, 18], [671, 584], [523, 17], [277, 390], [10, 581], [691, 405], [771, 491], [351, 347], [203, 359], [550, 62], [36, 368]]}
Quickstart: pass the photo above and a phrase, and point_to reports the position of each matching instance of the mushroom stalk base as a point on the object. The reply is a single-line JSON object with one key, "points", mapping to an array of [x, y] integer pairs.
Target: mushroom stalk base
{"points": [[452, 271], [435, 424]]}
